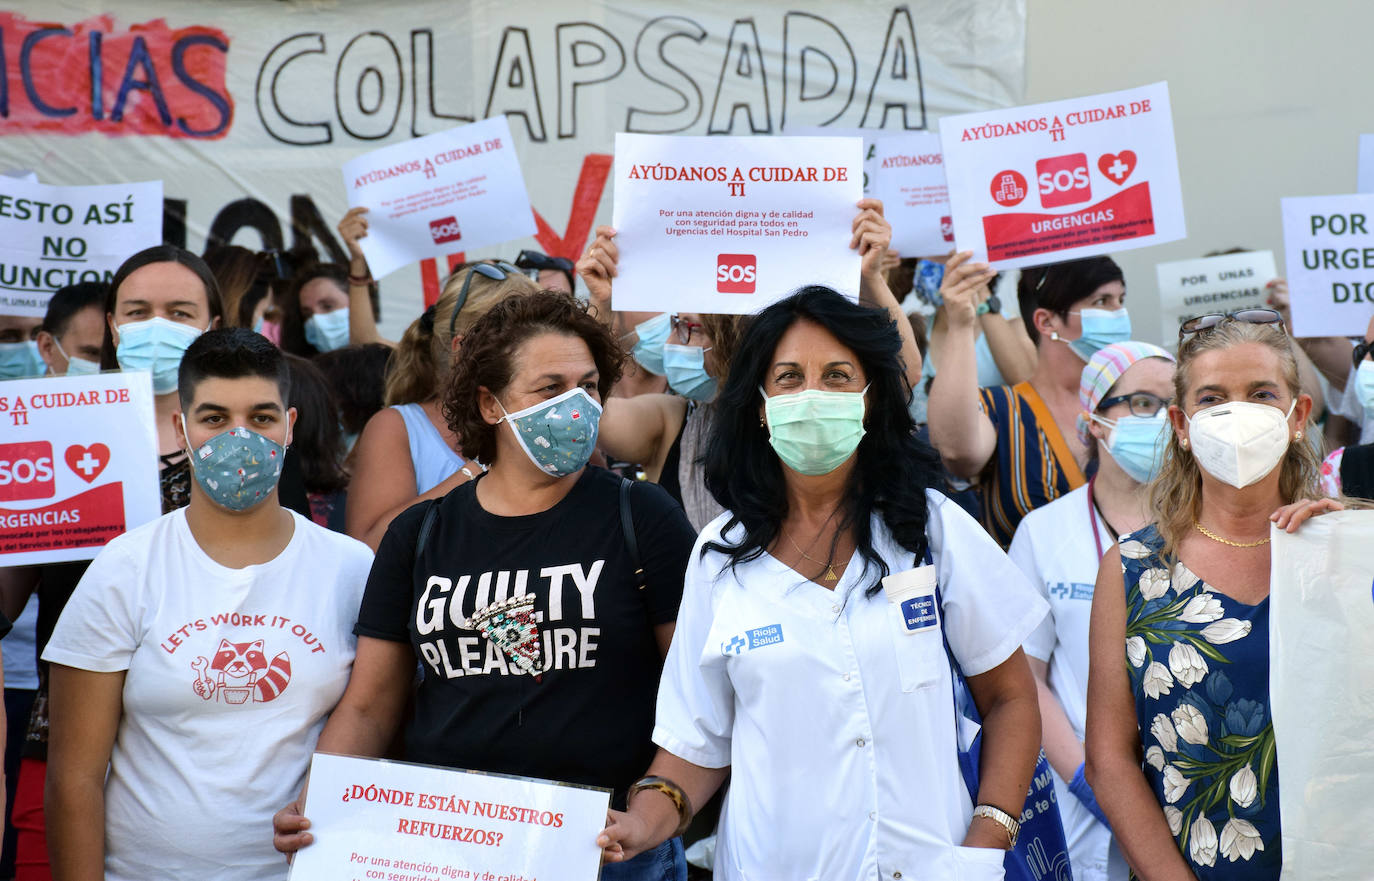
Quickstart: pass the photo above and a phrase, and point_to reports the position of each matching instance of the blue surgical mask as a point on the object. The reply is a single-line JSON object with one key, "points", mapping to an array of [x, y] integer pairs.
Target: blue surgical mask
{"points": [[21, 359], [327, 331], [1101, 328], [155, 345], [77, 366], [237, 468], [559, 434], [648, 350], [685, 367], [1137, 444], [1364, 387]]}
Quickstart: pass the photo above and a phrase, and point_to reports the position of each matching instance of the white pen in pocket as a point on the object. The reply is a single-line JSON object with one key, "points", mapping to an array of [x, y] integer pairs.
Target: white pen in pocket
{"points": [[913, 593]]}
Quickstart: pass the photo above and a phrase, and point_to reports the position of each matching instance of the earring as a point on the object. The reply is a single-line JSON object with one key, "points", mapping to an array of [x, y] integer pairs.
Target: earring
{"points": [[762, 423], [1183, 443], [1298, 436], [1054, 335]]}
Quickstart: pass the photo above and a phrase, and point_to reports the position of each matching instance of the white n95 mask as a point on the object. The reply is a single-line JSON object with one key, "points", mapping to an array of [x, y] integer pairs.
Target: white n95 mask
{"points": [[1239, 442]]}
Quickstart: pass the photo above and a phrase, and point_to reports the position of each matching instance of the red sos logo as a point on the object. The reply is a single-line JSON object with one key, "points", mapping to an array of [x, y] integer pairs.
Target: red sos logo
{"points": [[1063, 180], [444, 230], [736, 273], [26, 471]]}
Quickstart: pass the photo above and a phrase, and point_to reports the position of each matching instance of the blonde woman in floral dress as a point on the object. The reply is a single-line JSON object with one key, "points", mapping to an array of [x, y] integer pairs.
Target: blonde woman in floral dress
{"points": [[1180, 746]]}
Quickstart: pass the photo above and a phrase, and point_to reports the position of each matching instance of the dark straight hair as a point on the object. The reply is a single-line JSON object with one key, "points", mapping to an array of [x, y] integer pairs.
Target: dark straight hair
{"points": [[147, 257], [1057, 286], [894, 466]]}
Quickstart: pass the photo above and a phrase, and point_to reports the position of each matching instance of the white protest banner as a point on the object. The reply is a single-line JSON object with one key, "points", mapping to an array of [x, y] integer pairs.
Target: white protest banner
{"points": [[909, 176], [730, 225], [445, 192], [1321, 673], [1364, 170], [379, 819], [1329, 241], [1188, 288], [51, 237], [78, 464], [1050, 182], [258, 103]]}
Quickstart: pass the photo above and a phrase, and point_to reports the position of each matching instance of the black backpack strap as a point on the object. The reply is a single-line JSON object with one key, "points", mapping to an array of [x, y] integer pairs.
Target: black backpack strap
{"points": [[426, 527], [627, 527]]}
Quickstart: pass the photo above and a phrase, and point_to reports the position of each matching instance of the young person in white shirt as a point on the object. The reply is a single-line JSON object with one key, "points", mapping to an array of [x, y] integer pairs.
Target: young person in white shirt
{"points": [[790, 668], [1125, 393], [194, 666]]}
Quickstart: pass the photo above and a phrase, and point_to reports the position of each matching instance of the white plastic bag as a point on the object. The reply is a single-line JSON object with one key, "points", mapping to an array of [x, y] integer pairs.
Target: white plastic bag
{"points": [[1321, 682]]}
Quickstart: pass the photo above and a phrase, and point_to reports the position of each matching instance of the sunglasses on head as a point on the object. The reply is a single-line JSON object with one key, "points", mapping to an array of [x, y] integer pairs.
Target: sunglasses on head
{"points": [[496, 271], [1210, 322], [535, 261]]}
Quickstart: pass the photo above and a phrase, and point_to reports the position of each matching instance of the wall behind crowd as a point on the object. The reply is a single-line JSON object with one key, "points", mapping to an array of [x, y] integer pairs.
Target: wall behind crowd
{"points": [[1269, 99]]}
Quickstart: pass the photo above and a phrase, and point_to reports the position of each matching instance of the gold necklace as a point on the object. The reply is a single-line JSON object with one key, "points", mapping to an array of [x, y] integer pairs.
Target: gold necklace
{"points": [[1226, 541], [829, 565]]}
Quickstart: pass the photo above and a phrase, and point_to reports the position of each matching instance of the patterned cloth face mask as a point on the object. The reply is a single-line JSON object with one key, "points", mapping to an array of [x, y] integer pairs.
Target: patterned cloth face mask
{"points": [[237, 468], [559, 434]]}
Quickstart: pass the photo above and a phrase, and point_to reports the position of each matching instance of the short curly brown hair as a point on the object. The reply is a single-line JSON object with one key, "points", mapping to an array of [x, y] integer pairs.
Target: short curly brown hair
{"points": [[485, 359]]}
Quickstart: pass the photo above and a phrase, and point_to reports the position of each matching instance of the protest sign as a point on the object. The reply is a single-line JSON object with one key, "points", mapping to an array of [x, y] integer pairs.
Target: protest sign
{"points": [[51, 237], [869, 136], [1067, 179], [445, 192], [729, 225], [378, 819], [1329, 241], [909, 176], [1188, 288], [78, 464], [1321, 673], [1364, 171], [256, 107]]}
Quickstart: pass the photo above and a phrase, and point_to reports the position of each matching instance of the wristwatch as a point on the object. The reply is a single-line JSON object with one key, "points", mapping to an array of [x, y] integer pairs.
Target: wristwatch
{"points": [[991, 304], [1002, 818]]}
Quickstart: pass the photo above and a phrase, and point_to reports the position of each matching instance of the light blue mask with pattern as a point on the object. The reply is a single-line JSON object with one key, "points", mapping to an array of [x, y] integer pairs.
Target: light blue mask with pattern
{"points": [[559, 434], [237, 468]]}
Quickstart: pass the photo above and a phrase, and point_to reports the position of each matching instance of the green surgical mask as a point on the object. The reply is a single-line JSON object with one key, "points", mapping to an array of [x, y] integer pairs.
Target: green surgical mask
{"points": [[814, 432]]}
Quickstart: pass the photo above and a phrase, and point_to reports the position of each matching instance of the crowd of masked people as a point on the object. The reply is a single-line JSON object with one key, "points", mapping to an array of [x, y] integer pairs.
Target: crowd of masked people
{"points": [[751, 574]]}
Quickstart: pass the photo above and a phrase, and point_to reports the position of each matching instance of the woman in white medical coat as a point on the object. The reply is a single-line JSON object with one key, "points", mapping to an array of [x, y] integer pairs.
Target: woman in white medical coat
{"points": [[809, 661]]}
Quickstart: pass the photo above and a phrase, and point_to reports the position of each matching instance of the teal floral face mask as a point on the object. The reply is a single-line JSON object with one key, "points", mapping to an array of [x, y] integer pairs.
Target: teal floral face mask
{"points": [[559, 434], [237, 468], [814, 432]]}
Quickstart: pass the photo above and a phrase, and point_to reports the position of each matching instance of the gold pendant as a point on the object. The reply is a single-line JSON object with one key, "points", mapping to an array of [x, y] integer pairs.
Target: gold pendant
{"points": [[830, 574]]}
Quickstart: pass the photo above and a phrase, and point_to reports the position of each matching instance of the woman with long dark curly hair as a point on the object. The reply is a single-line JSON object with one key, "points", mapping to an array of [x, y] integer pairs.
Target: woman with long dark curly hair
{"points": [[809, 656]]}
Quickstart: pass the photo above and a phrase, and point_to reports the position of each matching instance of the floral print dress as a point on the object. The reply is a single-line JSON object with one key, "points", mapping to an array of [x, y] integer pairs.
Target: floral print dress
{"points": [[1199, 669]]}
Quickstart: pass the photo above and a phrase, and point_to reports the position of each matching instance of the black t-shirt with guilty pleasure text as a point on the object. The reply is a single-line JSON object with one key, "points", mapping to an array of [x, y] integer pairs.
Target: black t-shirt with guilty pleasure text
{"points": [[588, 716]]}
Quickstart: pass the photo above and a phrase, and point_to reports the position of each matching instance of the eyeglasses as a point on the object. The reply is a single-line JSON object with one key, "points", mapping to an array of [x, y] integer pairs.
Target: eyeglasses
{"points": [[683, 329], [1209, 322], [1143, 404], [1361, 350], [497, 271]]}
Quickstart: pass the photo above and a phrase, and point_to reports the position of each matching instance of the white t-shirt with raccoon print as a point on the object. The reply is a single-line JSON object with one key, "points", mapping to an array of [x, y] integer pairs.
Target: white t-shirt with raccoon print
{"points": [[230, 675]]}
